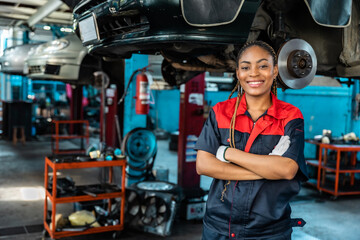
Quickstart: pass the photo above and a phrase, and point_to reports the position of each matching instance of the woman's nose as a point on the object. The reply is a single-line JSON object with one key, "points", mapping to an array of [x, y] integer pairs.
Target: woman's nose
{"points": [[254, 71]]}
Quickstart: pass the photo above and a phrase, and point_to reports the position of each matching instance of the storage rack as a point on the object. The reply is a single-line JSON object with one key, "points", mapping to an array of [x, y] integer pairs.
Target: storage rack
{"points": [[341, 166], [55, 138], [50, 226]]}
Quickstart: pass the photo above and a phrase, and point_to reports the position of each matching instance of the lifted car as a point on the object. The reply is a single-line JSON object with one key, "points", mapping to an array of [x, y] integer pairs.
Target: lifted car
{"points": [[63, 59], [12, 60], [311, 36]]}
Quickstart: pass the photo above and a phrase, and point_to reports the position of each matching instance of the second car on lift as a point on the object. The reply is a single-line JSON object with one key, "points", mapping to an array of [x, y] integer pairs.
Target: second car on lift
{"points": [[63, 59]]}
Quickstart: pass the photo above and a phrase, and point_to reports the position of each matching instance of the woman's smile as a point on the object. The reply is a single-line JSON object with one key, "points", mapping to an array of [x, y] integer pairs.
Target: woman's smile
{"points": [[255, 83]]}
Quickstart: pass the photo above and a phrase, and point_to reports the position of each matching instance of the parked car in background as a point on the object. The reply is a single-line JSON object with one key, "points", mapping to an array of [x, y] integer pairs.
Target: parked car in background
{"points": [[311, 36], [63, 59], [12, 60]]}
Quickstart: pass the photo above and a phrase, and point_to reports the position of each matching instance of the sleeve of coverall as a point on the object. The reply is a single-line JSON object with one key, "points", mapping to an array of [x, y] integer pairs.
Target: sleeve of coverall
{"points": [[295, 130], [209, 139]]}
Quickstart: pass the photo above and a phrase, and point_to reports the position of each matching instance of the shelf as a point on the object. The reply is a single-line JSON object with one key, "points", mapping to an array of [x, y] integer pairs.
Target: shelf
{"points": [[61, 234], [86, 164], [69, 136], [84, 198], [331, 167], [69, 151], [329, 187], [314, 163]]}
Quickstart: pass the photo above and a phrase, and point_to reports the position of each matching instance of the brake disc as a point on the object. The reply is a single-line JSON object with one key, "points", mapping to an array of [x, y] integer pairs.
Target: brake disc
{"points": [[297, 64]]}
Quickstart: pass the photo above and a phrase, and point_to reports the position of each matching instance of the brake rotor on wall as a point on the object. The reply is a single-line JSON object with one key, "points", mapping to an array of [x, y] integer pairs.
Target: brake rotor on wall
{"points": [[297, 64]]}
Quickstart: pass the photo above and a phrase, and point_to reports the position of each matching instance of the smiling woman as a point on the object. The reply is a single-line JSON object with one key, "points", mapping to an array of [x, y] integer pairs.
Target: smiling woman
{"points": [[252, 146]]}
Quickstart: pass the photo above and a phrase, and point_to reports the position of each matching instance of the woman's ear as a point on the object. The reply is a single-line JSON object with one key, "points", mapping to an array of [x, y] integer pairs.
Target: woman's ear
{"points": [[276, 71], [237, 73]]}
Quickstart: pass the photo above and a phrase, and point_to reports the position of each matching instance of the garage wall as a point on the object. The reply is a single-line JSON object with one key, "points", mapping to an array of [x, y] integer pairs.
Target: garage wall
{"points": [[166, 108]]}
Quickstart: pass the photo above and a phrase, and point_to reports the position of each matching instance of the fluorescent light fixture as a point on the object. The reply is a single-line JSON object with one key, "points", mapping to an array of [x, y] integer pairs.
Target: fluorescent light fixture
{"points": [[66, 29]]}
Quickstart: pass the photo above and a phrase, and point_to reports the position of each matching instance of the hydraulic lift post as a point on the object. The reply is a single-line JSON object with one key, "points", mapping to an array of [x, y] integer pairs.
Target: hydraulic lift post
{"points": [[190, 124], [110, 112], [76, 107]]}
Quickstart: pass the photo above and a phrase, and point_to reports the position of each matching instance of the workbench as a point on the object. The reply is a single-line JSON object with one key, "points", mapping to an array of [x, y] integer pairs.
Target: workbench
{"points": [[328, 170]]}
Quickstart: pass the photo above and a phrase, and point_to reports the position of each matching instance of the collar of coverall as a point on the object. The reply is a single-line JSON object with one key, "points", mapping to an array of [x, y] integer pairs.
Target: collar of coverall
{"points": [[275, 110]]}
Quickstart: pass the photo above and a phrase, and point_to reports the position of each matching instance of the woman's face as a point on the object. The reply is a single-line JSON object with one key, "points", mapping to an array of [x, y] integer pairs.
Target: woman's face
{"points": [[256, 71]]}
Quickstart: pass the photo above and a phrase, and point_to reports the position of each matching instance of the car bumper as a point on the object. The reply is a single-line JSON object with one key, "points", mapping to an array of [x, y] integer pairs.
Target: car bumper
{"points": [[64, 69]]}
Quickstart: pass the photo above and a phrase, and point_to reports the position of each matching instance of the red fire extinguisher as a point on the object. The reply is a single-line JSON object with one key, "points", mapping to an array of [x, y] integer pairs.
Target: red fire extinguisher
{"points": [[142, 94]]}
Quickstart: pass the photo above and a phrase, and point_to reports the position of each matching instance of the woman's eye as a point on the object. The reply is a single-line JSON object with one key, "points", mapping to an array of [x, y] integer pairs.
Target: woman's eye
{"points": [[244, 68], [263, 66]]}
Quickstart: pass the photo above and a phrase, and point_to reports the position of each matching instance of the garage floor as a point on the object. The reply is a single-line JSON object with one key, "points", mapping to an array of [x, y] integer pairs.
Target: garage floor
{"points": [[21, 200]]}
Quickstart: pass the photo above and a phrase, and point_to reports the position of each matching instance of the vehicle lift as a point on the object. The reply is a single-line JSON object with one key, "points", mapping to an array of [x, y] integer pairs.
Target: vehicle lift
{"points": [[190, 125]]}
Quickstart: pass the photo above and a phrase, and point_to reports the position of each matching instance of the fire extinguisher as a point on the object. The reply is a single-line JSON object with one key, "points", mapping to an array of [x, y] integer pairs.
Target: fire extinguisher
{"points": [[142, 94]]}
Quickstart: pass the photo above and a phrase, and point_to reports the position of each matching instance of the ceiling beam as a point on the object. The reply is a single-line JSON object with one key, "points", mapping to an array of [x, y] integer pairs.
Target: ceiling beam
{"points": [[44, 11], [31, 11], [25, 18], [35, 3]]}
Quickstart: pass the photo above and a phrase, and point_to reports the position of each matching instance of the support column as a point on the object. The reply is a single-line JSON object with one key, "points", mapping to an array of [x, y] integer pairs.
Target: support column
{"points": [[131, 119], [190, 124], [76, 108]]}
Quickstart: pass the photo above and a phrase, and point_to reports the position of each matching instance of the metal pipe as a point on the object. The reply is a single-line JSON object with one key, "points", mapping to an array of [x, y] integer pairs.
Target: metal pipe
{"points": [[44, 11]]}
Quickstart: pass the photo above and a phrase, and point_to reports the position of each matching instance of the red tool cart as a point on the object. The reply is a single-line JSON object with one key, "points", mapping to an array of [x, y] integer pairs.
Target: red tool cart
{"points": [[55, 198], [336, 177], [82, 125]]}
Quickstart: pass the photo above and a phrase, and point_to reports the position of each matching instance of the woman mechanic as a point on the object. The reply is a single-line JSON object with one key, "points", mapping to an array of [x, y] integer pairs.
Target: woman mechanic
{"points": [[252, 146]]}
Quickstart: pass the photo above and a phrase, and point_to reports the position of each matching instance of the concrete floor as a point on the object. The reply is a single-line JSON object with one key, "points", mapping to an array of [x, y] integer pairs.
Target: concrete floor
{"points": [[22, 200]]}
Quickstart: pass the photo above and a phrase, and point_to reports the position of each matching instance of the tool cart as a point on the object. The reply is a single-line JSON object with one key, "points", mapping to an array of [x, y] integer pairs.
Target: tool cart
{"points": [[329, 172], [83, 128], [82, 194]]}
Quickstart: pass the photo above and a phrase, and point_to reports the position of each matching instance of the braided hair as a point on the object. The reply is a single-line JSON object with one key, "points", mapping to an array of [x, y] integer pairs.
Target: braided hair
{"points": [[240, 92]]}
